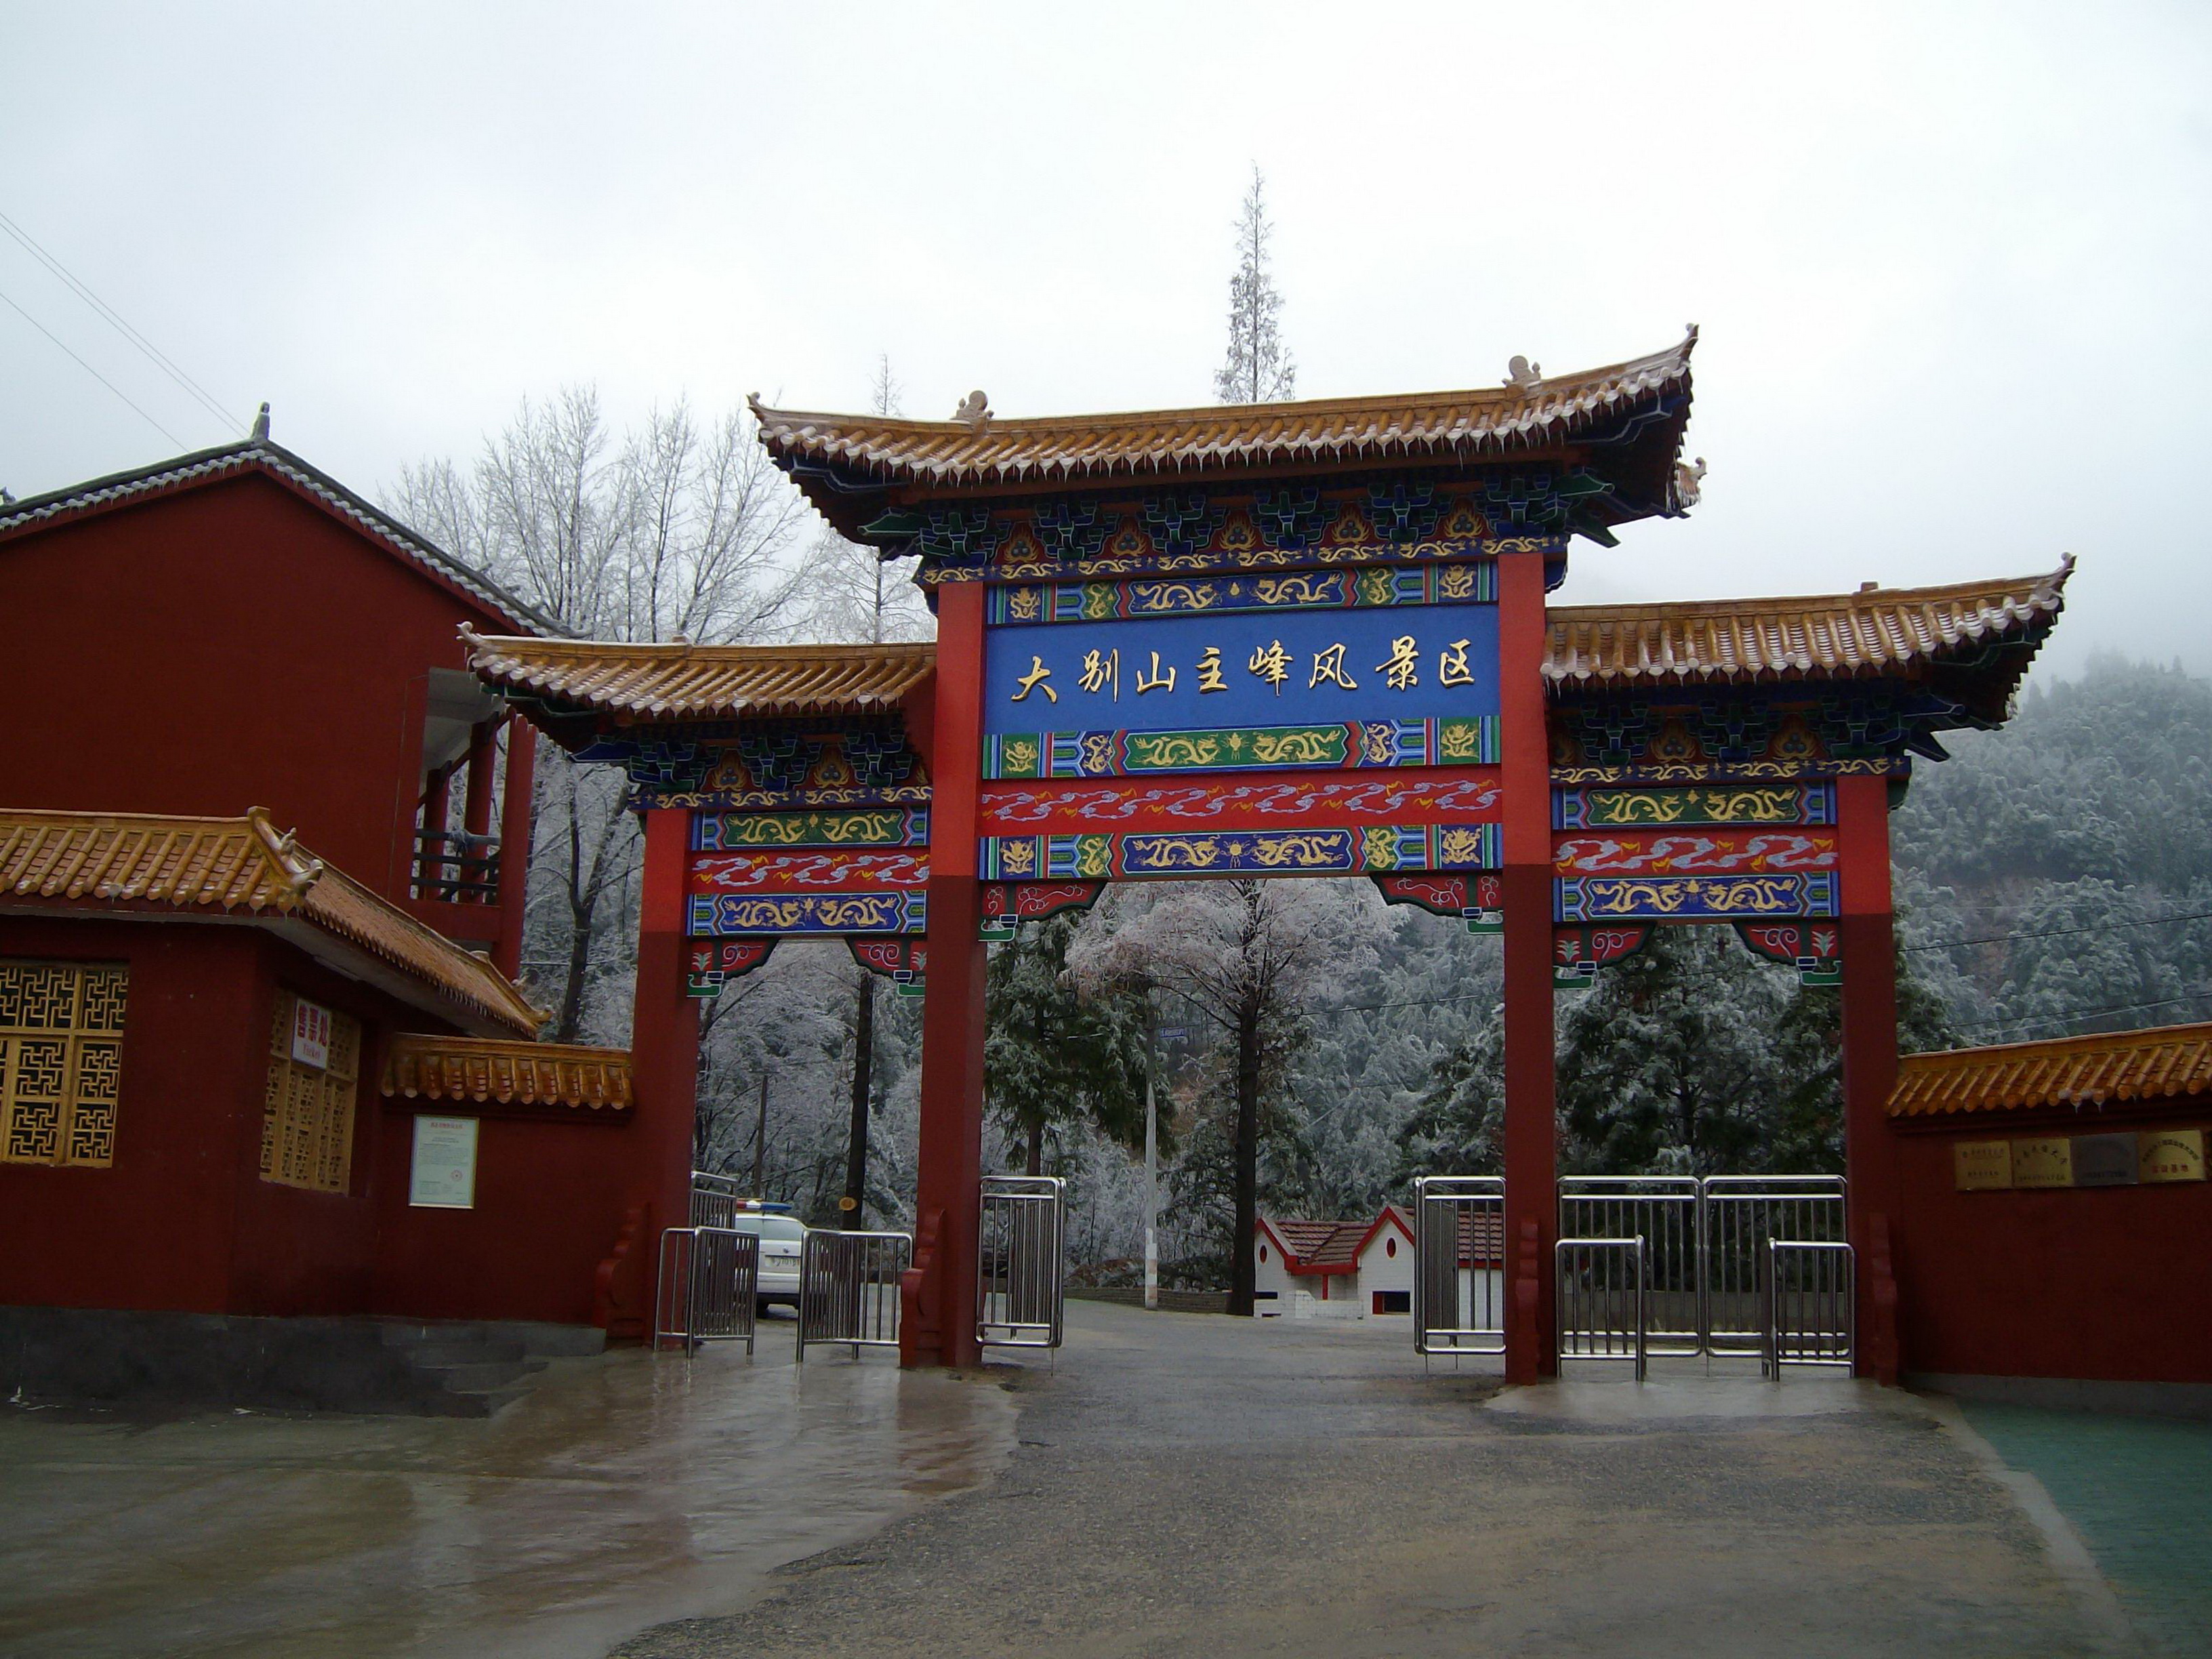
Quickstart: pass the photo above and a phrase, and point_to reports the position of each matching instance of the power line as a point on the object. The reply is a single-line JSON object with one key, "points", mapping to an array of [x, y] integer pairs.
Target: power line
{"points": [[2060, 933], [109, 315], [2083, 1013], [95, 373]]}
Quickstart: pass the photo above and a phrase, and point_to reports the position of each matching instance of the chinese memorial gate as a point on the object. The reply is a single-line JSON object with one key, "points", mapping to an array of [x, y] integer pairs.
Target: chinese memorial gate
{"points": [[1284, 640]]}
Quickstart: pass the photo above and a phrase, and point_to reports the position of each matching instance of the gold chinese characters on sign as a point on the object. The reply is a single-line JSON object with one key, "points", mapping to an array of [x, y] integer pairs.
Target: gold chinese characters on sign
{"points": [[2167, 1155], [2148, 1156], [1982, 1165], [2047, 1161], [1273, 665]]}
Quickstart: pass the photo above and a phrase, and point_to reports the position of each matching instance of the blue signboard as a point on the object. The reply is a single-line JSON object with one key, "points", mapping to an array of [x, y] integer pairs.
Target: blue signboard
{"points": [[1244, 670]]}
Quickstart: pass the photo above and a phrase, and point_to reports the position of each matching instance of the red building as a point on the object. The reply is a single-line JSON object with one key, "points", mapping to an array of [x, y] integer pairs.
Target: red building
{"points": [[234, 629], [262, 840]]}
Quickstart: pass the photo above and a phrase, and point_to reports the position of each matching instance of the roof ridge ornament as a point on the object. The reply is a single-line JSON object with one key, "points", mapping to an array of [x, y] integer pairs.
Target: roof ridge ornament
{"points": [[261, 424], [1523, 376], [975, 412], [1689, 481]]}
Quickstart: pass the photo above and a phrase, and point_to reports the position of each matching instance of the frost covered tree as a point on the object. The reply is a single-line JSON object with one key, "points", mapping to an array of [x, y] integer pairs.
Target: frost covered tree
{"points": [[1257, 367], [1249, 955], [671, 530], [852, 596], [1060, 1056], [2060, 869]]}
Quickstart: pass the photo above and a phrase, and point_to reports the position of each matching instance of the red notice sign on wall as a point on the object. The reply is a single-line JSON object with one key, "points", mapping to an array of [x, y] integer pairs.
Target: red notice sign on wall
{"points": [[310, 1034]]}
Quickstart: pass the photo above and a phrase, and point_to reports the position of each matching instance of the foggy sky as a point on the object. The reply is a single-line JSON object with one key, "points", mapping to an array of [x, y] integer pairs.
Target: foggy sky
{"points": [[1950, 261]]}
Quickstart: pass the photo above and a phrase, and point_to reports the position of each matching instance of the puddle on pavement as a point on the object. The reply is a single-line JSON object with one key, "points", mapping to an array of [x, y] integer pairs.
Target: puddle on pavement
{"points": [[622, 1492]]}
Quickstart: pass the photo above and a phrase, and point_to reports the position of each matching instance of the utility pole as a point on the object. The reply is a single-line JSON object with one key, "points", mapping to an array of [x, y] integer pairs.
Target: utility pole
{"points": [[856, 1145], [760, 1142], [1152, 1164]]}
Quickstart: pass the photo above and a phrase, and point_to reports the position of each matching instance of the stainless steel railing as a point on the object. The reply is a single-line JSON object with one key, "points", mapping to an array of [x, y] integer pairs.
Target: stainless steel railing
{"points": [[848, 1288], [1601, 1307], [1665, 1211], [1743, 1215], [715, 1200], [1812, 1312], [1019, 1261], [708, 1287], [1459, 1265]]}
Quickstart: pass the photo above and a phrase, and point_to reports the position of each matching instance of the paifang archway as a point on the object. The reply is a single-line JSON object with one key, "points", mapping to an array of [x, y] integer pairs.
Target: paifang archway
{"points": [[1306, 639]]}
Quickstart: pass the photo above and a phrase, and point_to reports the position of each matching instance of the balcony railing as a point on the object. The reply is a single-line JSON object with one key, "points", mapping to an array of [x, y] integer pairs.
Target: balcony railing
{"points": [[455, 868]]}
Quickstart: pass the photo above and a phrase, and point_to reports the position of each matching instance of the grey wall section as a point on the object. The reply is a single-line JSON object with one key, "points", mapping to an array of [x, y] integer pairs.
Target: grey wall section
{"points": [[97, 1357]]}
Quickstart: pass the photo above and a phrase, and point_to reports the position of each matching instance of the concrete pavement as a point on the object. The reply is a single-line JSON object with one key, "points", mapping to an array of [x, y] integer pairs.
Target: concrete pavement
{"points": [[1187, 1485], [621, 1492]]}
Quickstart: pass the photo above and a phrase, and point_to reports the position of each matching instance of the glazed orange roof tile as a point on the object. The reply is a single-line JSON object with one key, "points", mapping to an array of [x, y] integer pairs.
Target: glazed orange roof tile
{"points": [[2166, 1062], [1841, 636], [676, 681], [1868, 633], [142, 863], [983, 449], [490, 1070]]}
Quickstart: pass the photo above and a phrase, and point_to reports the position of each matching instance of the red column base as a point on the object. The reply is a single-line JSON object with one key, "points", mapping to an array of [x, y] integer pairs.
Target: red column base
{"points": [[921, 1297], [1876, 1353]]}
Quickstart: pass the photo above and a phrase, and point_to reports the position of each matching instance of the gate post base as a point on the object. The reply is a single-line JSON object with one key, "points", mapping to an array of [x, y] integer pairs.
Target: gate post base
{"points": [[921, 1299]]}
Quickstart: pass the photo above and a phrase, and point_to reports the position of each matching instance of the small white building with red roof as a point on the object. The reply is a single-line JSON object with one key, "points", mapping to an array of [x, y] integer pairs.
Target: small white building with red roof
{"points": [[1365, 1269], [1334, 1269]]}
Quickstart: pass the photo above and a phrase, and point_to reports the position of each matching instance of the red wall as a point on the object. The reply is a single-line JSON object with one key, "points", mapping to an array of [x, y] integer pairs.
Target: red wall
{"points": [[182, 1219], [551, 1192], [224, 646], [2109, 1282], [156, 1227]]}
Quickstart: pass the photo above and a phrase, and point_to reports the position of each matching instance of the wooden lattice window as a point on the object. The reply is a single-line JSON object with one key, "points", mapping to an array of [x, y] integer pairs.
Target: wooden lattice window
{"points": [[306, 1111], [61, 1060]]}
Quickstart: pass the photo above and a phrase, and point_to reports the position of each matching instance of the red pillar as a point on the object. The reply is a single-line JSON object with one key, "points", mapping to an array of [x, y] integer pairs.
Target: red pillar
{"points": [[1531, 1152], [1870, 1062], [476, 800], [938, 1321], [664, 1036], [516, 811]]}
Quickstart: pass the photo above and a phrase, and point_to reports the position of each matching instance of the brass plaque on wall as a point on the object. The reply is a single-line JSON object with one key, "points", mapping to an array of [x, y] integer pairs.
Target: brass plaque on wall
{"points": [[2104, 1160], [2170, 1155], [1980, 1166], [2047, 1162]]}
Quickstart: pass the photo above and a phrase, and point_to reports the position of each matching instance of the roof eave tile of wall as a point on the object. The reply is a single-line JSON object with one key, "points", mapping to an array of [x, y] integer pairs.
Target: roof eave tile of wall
{"points": [[1869, 633], [494, 1071], [685, 682], [2168, 1062]]}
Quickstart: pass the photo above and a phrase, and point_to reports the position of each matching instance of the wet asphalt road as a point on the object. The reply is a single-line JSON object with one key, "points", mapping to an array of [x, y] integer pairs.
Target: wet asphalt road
{"points": [[1187, 1485]]}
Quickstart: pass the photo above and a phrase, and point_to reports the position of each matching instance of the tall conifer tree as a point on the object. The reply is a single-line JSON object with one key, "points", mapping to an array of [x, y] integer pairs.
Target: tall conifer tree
{"points": [[1257, 368]]}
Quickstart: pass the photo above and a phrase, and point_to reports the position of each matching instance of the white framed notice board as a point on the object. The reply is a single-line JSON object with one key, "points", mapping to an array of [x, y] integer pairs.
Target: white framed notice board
{"points": [[445, 1169]]}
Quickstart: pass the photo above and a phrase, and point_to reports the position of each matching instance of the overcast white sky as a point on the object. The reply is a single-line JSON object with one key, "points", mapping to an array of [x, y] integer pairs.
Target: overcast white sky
{"points": [[1951, 261]]}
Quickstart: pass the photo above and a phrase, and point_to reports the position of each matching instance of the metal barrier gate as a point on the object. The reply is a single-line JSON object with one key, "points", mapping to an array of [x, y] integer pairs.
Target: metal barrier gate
{"points": [[1810, 1312], [1459, 1265], [1019, 1257], [707, 1287], [1725, 1266], [1602, 1308], [1728, 1266], [1665, 1213], [1743, 1215], [848, 1288], [715, 1200]]}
